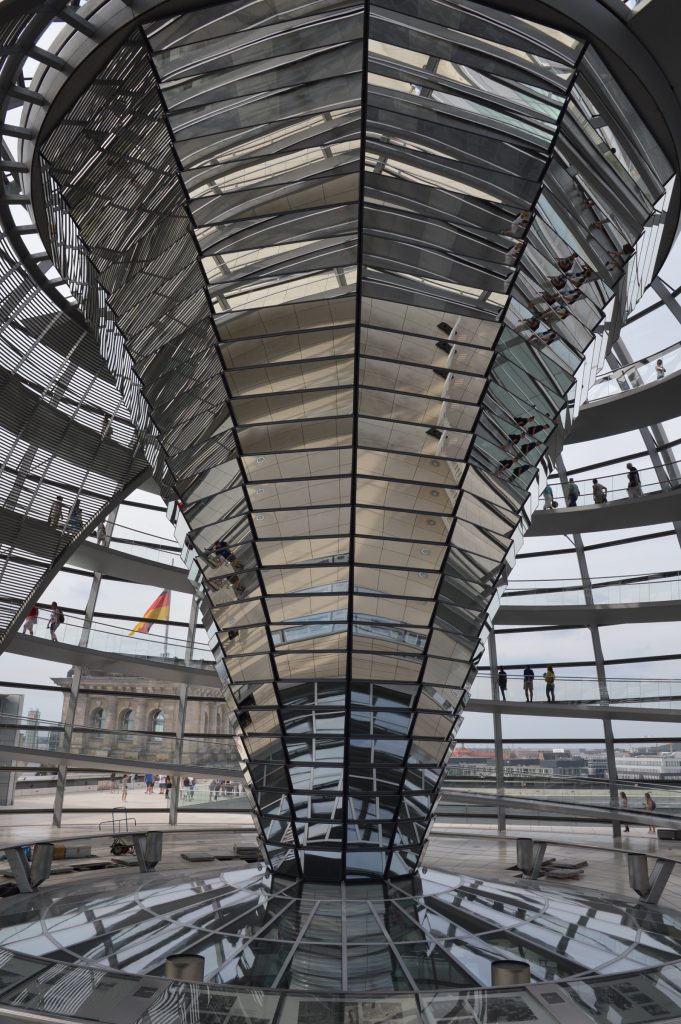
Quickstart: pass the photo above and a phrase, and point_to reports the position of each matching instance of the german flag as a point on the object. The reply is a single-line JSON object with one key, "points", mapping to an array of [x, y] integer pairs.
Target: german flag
{"points": [[158, 611]]}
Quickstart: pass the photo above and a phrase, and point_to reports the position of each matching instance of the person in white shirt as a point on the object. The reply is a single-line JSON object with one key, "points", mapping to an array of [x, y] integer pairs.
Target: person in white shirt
{"points": [[600, 493], [660, 369], [55, 620]]}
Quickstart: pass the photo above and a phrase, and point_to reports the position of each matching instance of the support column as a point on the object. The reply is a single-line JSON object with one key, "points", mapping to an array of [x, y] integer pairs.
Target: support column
{"points": [[191, 630], [603, 693], [498, 731], [74, 691], [612, 774], [179, 736]]}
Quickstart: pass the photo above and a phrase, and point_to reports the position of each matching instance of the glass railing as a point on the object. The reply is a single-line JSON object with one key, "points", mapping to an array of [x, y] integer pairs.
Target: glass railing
{"points": [[148, 551], [211, 752], [461, 784], [141, 544], [115, 640], [616, 485], [30, 994], [658, 587], [636, 374], [573, 689], [126, 745], [215, 753]]}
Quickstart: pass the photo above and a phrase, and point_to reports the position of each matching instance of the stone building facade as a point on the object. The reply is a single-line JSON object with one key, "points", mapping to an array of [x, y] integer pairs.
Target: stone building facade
{"points": [[130, 716]]}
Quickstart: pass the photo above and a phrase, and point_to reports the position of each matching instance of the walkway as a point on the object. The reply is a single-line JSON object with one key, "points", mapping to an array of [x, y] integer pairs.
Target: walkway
{"points": [[110, 762], [628, 410], [56, 432], [126, 665], [454, 798], [36, 536], [62, 332], [586, 615], [626, 513], [576, 709], [122, 566]]}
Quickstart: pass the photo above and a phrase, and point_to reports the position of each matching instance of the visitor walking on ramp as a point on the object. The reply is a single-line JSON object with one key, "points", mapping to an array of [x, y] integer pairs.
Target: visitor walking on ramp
{"points": [[31, 620], [55, 620], [502, 682], [624, 804], [528, 684]]}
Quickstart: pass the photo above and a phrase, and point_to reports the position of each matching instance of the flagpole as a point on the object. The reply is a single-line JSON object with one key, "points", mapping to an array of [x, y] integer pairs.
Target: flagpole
{"points": [[167, 630]]}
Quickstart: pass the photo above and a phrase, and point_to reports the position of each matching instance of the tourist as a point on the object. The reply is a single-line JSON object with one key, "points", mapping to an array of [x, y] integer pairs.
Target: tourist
{"points": [[56, 509], [106, 427], [161, 784], [223, 551], [55, 621], [519, 224], [550, 680], [101, 535], [634, 482], [573, 493], [124, 787], [237, 585], [502, 682], [149, 781], [660, 369], [547, 495], [618, 256], [650, 806], [600, 493], [169, 786], [624, 804], [75, 521], [528, 684], [31, 620]]}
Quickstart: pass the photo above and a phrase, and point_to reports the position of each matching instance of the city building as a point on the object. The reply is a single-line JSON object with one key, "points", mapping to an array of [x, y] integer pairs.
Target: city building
{"points": [[343, 338]]}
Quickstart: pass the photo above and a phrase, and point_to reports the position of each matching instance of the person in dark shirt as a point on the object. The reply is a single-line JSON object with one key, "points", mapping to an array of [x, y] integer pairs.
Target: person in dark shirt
{"points": [[634, 482]]}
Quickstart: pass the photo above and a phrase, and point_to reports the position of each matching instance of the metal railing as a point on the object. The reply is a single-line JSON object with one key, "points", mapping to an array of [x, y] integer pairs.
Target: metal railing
{"points": [[636, 374], [574, 688], [664, 586], [616, 484], [117, 640]]}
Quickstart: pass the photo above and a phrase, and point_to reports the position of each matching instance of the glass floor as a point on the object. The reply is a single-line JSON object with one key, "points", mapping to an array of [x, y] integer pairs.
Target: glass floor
{"points": [[433, 932]]}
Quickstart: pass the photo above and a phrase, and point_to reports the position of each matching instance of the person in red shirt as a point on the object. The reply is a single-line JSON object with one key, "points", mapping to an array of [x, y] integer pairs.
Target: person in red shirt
{"points": [[31, 620]]}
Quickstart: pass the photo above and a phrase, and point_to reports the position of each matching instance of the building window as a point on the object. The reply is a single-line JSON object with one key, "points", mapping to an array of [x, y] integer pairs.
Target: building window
{"points": [[157, 720], [98, 718], [127, 720]]}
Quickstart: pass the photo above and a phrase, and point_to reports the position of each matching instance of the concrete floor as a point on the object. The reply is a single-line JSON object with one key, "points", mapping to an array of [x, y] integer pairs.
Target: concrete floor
{"points": [[472, 849]]}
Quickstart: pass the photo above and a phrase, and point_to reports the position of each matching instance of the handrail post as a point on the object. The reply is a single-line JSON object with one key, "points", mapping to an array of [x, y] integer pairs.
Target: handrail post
{"points": [[148, 850], [659, 877], [28, 875]]}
